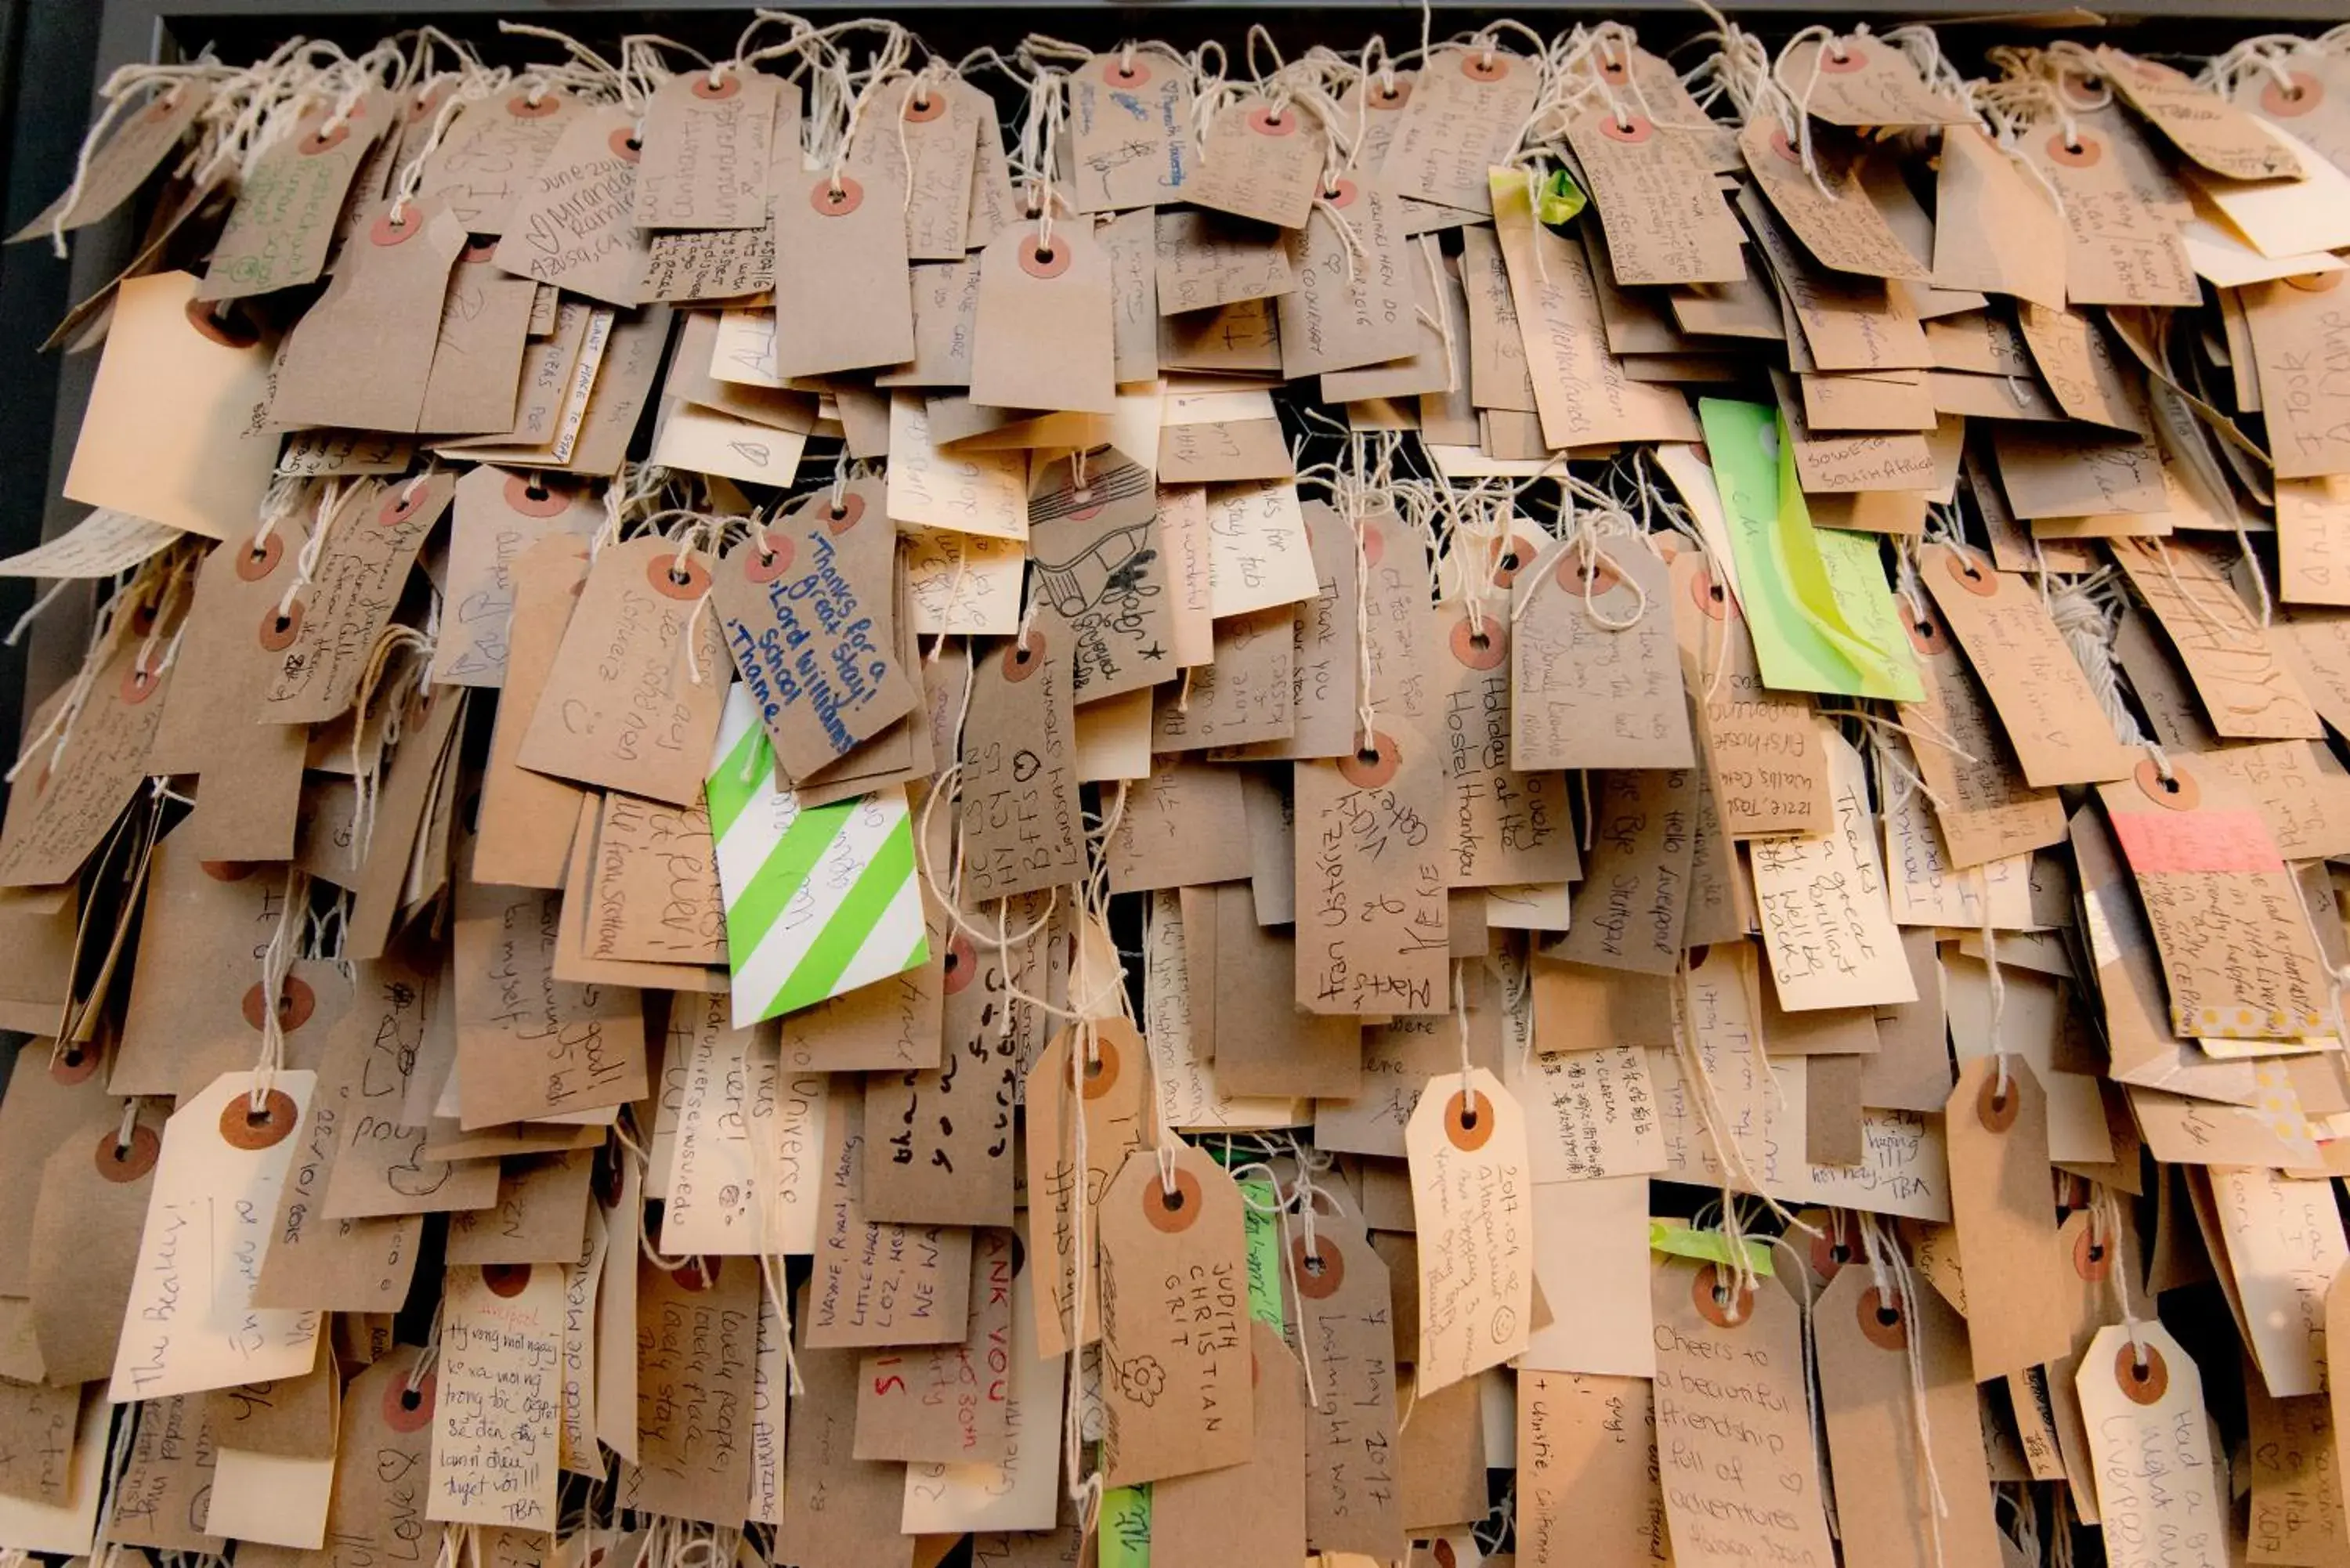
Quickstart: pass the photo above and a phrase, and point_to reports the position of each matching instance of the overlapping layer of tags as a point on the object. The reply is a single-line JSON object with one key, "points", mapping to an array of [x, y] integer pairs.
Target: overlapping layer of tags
{"points": [[1151, 807]]}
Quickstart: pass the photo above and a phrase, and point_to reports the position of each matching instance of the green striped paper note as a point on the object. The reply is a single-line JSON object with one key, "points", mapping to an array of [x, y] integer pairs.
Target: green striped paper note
{"points": [[819, 901]]}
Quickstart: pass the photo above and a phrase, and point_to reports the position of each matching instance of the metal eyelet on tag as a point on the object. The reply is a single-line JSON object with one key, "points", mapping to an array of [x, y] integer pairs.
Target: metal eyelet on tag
{"points": [[1023, 657], [1344, 196], [122, 1163], [2142, 1384], [1468, 1120], [242, 1126], [1709, 595], [1319, 1272], [1826, 1261], [74, 1064], [388, 231], [1998, 1111], [1969, 574], [2082, 152], [278, 631], [961, 963], [521, 107], [1724, 1304], [840, 519], [407, 1409], [1882, 1323], [1371, 766], [226, 870], [765, 566], [697, 1274], [220, 323], [719, 92], [918, 112], [1394, 96], [2314, 282], [319, 141], [295, 1003], [139, 683], [1612, 69], [2179, 792], [400, 505], [1929, 635], [2092, 1260], [679, 576], [1484, 646], [535, 498], [2280, 101], [1784, 148], [1631, 130], [1517, 558], [1126, 73], [1485, 67], [836, 204], [1102, 1067], [1037, 260], [1594, 575], [1852, 59], [625, 146], [1173, 1213], [507, 1279], [160, 109], [1265, 121]]}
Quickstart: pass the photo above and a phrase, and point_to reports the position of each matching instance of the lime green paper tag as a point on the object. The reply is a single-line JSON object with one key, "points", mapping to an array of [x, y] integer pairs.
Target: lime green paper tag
{"points": [[1125, 1527], [1680, 1240], [1263, 1252], [1823, 615], [1561, 199]]}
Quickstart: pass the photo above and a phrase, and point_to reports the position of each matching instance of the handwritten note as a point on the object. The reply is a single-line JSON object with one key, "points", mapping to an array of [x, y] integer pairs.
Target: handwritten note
{"points": [[697, 1339], [1825, 922], [1733, 1436], [2284, 1245], [499, 1398], [191, 1323]]}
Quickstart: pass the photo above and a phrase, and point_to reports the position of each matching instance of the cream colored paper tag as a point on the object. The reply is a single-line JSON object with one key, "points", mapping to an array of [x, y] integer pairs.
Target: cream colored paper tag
{"points": [[1471, 1191], [191, 1325]]}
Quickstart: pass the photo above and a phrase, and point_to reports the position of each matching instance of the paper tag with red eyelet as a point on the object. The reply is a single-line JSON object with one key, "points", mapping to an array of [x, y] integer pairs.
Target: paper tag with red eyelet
{"points": [[2238, 956], [810, 618], [1473, 1196], [497, 1396], [2149, 1441], [623, 707], [191, 1325], [325, 636], [1044, 337], [1373, 922], [1259, 162], [1175, 1319], [705, 150], [1020, 777]]}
